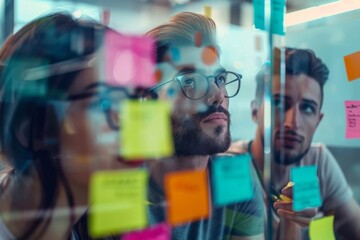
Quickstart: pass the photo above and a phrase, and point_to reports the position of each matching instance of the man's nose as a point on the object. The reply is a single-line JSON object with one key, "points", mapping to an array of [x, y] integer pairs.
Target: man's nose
{"points": [[292, 118], [215, 95]]}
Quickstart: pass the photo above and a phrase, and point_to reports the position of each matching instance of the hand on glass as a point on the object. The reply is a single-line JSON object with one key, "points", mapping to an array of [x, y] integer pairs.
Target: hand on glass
{"points": [[284, 208]]}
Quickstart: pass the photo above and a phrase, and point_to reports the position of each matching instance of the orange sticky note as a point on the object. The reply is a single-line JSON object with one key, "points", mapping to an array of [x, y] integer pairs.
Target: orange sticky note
{"points": [[352, 65], [187, 196]]}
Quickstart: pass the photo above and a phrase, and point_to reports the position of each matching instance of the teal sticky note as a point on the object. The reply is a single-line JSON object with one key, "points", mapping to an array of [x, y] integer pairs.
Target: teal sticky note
{"points": [[277, 16], [306, 189], [231, 179], [259, 14]]}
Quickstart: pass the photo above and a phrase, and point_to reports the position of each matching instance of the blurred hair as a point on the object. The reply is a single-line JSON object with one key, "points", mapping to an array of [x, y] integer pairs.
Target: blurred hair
{"points": [[45, 41], [297, 61], [183, 29]]}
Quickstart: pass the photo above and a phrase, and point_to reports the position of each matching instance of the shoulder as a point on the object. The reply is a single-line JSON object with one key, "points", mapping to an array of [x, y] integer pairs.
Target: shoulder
{"points": [[238, 147]]}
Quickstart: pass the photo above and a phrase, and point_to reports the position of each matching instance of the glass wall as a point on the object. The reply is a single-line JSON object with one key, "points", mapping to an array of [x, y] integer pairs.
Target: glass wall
{"points": [[169, 119]]}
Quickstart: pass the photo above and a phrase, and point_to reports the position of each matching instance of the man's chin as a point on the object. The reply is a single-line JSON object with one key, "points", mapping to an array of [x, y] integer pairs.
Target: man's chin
{"points": [[288, 157]]}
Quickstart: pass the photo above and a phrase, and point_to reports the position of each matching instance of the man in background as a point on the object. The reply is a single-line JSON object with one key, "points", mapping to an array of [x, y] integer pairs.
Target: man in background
{"points": [[297, 116]]}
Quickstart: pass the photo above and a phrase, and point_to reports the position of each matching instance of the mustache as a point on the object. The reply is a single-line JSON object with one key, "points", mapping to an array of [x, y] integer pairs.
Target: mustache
{"points": [[290, 133], [210, 110]]}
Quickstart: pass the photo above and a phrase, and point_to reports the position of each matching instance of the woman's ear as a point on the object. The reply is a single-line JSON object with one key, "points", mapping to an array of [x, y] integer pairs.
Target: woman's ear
{"points": [[22, 133]]}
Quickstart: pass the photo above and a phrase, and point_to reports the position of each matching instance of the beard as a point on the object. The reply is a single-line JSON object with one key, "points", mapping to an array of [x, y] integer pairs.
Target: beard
{"points": [[190, 140], [283, 159]]}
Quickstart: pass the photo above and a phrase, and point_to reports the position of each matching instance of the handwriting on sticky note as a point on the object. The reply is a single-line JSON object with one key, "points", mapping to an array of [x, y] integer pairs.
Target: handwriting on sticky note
{"points": [[158, 232], [323, 228], [277, 16], [231, 179], [114, 195], [352, 66], [259, 14], [145, 130], [352, 109], [306, 189], [129, 60], [187, 196]]}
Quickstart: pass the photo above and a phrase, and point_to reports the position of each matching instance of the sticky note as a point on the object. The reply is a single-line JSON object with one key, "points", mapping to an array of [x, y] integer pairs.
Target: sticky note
{"points": [[306, 189], [352, 66], [187, 196], [145, 130], [114, 197], [352, 109], [209, 55], [231, 179], [323, 228], [277, 16], [129, 60], [174, 54], [158, 232], [259, 14], [208, 11]]}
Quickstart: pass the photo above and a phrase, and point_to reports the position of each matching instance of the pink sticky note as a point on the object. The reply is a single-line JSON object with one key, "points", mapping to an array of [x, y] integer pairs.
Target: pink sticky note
{"points": [[352, 109], [157, 232], [129, 60]]}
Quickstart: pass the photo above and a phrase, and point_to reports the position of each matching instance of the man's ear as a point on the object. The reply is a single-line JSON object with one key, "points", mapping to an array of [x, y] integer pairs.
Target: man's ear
{"points": [[254, 111], [320, 118]]}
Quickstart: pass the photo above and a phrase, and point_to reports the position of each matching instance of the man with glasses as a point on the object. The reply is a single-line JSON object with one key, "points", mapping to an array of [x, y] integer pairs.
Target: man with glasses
{"points": [[198, 88], [297, 106]]}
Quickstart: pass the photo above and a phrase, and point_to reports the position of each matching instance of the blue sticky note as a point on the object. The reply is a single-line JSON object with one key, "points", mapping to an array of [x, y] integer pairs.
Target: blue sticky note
{"points": [[231, 179], [277, 16], [259, 14], [306, 189], [175, 54]]}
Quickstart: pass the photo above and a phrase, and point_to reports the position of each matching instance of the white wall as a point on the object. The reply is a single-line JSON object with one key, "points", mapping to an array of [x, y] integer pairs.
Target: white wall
{"points": [[332, 38]]}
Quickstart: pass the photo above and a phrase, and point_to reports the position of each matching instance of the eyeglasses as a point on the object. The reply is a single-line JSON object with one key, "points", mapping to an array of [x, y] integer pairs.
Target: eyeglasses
{"points": [[109, 102], [196, 85]]}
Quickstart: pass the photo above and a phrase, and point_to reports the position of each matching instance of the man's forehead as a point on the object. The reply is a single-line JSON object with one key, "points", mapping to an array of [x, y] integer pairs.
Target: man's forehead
{"points": [[204, 58], [298, 87]]}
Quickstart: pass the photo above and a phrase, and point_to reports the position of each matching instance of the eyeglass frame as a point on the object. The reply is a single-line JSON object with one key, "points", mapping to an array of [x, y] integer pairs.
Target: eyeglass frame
{"points": [[238, 75], [139, 94]]}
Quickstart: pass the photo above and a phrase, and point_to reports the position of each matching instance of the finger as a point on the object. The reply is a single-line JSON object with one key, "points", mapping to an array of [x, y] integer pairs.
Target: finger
{"points": [[283, 205], [288, 190], [302, 221], [310, 212]]}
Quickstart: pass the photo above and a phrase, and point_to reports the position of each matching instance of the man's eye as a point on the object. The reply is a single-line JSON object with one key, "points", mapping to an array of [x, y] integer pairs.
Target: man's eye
{"points": [[277, 103], [221, 79], [308, 108], [188, 82]]}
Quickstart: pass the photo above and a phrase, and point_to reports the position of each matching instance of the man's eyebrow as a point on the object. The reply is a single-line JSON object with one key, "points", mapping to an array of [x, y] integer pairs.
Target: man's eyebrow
{"points": [[185, 69], [310, 101]]}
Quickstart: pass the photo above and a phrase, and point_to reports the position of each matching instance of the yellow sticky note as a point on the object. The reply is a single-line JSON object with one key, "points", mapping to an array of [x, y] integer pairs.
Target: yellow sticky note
{"points": [[187, 196], [145, 130], [207, 11], [352, 65], [322, 228], [117, 202]]}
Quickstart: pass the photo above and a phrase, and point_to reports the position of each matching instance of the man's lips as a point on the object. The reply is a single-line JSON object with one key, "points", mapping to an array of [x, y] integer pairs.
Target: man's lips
{"points": [[217, 118], [291, 138]]}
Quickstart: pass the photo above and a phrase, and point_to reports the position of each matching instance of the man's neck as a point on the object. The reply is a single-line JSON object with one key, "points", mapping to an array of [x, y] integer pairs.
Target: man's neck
{"points": [[159, 169], [279, 172]]}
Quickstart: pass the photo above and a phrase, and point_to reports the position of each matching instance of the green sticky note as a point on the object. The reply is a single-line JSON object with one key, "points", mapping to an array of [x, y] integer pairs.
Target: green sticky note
{"points": [[322, 228], [231, 179], [306, 189], [117, 202], [277, 16], [145, 129], [259, 14]]}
